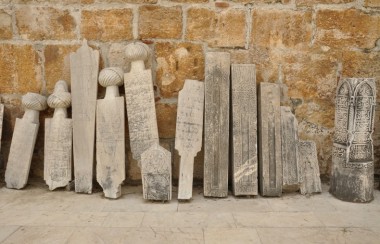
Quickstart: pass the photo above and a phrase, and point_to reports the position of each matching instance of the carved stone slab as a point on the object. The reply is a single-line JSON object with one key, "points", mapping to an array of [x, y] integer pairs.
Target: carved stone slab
{"points": [[270, 165], [1, 120], [289, 144], [142, 120], [156, 173], [244, 129], [353, 171], [189, 129], [84, 67], [216, 135], [310, 180]]}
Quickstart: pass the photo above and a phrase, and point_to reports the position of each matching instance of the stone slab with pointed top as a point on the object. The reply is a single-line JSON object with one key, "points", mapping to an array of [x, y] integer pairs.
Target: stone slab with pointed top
{"points": [[310, 180], [244, 130], [270, 165], [189, 130], [216, 134]]}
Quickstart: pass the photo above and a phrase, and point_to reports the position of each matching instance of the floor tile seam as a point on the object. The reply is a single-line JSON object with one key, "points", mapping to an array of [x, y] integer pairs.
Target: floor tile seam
{"points": [[6, 238]]}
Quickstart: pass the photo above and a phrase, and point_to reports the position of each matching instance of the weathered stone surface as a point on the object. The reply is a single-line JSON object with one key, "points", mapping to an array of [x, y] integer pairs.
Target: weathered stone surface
{"points": [[188, 141], [244, 129], [44, 23], [352, 156], [110, 139], [270, 164], [156, 170], [107, 25], [175, 63], [166, 119], [372, 3], [310, 180], [219, 29], [314, 2], [84, 66], [216, 135], [160, 22], [142, 120], [1, 121], [58, 139], [124, 1], [5, 25], [23, 141]]}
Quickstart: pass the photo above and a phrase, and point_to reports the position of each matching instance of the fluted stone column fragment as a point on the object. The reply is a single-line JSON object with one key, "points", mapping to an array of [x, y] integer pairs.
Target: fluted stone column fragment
{"points": [[23, 141], [352, 173], [58, 139], [110, 138]]}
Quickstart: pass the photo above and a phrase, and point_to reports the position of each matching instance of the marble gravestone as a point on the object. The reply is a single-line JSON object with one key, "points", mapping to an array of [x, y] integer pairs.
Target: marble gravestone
{"points": [[352, 173], [244, 130], [156, 173], [270, 164], [216, 124], [58, 139], [139, 96], [84, 67], [188, 137], [23, 141], [1, 120], [110, 138], [308, 161]]}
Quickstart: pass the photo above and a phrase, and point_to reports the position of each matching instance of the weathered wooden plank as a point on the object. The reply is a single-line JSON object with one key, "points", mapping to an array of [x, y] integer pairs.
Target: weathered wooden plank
{"points": [[23, 141], [244, 129], [310, 180], [110, 138], [216, 134], [188, 140], [84, 67], [156, 173], [270, 165]]}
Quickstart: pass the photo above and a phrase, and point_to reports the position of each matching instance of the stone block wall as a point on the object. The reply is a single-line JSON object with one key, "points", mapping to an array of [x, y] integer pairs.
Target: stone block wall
{"points": [[307, 44]]}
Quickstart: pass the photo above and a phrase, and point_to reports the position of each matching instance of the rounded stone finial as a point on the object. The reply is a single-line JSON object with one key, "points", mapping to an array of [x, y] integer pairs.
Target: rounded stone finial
{"points": [[34, 101], [112, 76], [137, 51], [60, 98]]}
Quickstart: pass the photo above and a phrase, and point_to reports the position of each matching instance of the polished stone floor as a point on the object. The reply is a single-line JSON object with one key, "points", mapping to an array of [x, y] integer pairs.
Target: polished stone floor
{"points": [[36, 215]]}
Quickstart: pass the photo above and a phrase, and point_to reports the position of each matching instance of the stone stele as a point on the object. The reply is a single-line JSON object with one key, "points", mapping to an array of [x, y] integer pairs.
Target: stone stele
{"points": [[23, 141], [352, 173], [308, 161], [156, 173], [58, 139], [84, 67], [110, 134], [270, 164], [188, 137], [216, 134], [244, 130]]}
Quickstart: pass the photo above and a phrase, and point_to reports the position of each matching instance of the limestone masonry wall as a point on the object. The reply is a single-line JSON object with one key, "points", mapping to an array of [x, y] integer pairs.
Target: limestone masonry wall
{"points": [[307, 44]]}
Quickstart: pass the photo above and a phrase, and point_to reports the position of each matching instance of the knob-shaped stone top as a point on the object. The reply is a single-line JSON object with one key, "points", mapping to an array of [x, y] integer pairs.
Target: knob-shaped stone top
{"points": [[112, 76], [137, 51], [60, 98], [34, 101]]}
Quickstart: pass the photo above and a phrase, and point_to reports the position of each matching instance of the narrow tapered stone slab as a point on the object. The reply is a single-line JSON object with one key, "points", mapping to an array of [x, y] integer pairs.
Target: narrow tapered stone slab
{"points": [[352, 172], [310, 180], [216, 134], [156, 173], [110, 138], [1, 120], [244, 130], [270, 165], [84, 67], [188, 140]]}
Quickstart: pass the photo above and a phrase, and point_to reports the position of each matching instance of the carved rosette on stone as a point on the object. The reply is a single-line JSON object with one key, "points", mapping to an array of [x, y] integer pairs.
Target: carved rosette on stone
{"points": [[58, 139], [23, 141], [353, 171], [110, 140]]}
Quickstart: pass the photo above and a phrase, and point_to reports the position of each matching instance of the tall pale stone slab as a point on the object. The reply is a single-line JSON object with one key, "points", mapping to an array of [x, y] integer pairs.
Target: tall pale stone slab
{"points": [[352, 173], [1, 120], [156, 173], [244, 130], [58, 139], [270, 165], [110, 134], [216, 134], [23, 141], [189, 128], [310, 179], [84, 67], [139, 96]]}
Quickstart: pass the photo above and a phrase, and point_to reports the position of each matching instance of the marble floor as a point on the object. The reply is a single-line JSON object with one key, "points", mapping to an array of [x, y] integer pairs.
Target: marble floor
{"points": [[36, 215]]}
